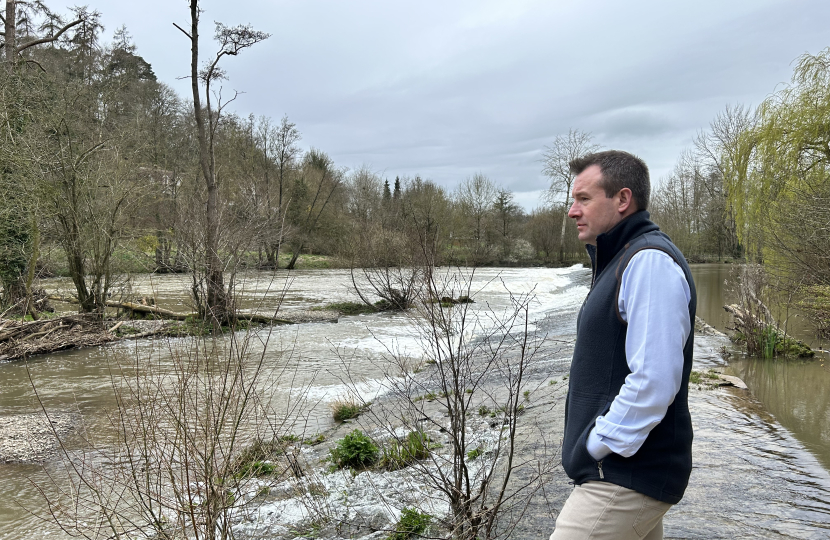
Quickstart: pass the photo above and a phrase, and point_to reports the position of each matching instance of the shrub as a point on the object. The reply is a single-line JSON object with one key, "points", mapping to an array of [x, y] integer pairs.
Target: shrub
{"points": [[355, 450], [412, 525]]}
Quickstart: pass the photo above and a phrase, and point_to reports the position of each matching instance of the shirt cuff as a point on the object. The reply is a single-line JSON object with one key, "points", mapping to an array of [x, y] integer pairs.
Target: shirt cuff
{"points": [[596, 447]]}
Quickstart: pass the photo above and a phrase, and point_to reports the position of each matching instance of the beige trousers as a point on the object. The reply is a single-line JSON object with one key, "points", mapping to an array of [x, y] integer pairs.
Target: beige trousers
{"points": [[600, 510]]}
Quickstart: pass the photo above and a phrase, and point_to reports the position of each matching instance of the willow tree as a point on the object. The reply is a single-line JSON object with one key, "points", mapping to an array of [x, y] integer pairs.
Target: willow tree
{"points": [[214, 302], [789, 186]]}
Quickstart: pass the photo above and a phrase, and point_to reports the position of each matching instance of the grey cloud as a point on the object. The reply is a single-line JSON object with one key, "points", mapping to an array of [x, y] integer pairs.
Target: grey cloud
{"points": [[445, 89]]}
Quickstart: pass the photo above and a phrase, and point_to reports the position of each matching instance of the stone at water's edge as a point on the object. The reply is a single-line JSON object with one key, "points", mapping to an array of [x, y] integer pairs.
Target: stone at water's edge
{"points": [[734, 381]]}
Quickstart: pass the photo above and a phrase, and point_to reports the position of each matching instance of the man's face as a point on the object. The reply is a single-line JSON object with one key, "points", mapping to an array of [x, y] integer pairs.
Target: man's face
{"points": [[593, 211]]}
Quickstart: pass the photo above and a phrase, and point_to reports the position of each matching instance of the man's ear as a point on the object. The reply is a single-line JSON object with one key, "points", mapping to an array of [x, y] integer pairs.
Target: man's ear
{"points": [[626, 202]]}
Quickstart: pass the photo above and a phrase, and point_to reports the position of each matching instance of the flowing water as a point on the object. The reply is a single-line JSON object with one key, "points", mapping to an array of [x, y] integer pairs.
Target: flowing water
{"points": [[782, 426]]}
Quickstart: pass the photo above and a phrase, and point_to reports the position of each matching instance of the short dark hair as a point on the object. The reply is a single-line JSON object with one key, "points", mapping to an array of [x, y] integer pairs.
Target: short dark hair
{"points": [[619, 170]]}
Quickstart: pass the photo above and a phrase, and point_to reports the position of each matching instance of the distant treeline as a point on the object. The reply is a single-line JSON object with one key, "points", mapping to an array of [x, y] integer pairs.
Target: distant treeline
{"points": [[97, 154]]}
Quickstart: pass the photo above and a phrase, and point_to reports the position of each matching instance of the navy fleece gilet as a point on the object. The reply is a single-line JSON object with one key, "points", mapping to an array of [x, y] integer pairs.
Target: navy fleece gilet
{"points": [[662, 465]]}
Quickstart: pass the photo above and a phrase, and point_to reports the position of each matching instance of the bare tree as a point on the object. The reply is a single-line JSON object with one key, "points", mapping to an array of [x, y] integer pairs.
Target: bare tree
{"points": [[475, 196], [193, 425], [280, 147], [727, 149], [555, 166], [232, 41], [482, 369]]}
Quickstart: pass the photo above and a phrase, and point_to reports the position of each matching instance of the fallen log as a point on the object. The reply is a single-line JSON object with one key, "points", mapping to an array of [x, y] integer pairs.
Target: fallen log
{"points": [[138, 308], [167, 314]]}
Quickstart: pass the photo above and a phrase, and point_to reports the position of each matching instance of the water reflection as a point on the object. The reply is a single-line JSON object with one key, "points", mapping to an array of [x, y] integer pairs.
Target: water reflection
{"points": [[793, 391]]}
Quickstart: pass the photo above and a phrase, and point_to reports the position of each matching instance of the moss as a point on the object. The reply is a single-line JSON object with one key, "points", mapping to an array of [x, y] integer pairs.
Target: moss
{"points": [[314, 441]]}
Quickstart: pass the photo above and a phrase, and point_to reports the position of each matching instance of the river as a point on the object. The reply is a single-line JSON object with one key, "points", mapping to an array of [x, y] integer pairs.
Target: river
{"points": [[782, 424]]}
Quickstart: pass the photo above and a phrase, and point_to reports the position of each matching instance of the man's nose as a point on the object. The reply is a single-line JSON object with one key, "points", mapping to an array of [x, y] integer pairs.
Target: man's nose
{"points": [[572, 212]]}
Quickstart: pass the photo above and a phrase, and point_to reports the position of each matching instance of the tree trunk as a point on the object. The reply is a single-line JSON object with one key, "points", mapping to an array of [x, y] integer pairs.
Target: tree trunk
{"points": [[216, 308], [10, 37], [562, 232], [294, 257]]}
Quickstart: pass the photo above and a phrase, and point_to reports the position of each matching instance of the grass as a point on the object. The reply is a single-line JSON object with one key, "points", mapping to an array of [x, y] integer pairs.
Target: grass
{"points": [[399, 454], [355, 451], [700, 378], [413, 524], [345, 409], [314, 441], [256, 459]]}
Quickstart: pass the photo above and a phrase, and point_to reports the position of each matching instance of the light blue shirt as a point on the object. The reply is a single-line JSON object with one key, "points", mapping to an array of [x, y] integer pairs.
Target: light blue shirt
{"points": [[654, 301]]}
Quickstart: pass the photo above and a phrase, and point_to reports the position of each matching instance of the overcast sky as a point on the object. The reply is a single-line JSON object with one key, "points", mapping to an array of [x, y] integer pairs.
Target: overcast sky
{"points": [[446, 89]]}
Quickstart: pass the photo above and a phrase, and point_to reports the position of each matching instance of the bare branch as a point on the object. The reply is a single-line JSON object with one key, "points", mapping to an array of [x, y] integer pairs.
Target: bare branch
{"points": [[41, 41], [183, 31]]}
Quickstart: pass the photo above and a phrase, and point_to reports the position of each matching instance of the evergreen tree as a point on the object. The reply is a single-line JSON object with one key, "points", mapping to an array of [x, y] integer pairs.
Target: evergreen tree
{"points": [[397, 193]]}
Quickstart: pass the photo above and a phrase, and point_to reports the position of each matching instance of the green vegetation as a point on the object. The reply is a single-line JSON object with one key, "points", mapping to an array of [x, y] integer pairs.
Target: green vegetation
{"points": [[776, 343], [708, 380], [399, 454], [314, 441], [257, 458], [356, 451], [345, 409], [413, 524], [256, 469], [474, 453]]}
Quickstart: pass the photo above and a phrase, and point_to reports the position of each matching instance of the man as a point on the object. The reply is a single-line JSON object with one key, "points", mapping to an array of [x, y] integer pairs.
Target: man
{"points": [[628, 434]]}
